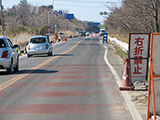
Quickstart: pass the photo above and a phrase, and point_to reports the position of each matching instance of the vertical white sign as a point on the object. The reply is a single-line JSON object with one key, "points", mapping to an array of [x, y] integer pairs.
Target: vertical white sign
{"points": [[138, 55]]}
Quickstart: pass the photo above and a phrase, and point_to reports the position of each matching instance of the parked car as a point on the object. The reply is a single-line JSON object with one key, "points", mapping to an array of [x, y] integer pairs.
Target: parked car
{"points": [[39, 45], [9, 58], [87, 33]]}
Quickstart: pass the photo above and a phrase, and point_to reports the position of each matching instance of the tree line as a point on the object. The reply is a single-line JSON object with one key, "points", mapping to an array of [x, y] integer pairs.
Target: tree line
{"points": [[26, 18], [134, 16]]}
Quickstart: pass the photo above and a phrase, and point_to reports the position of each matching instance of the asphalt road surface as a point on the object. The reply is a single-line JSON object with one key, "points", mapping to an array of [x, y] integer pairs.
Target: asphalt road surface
{"points": [[73, 84]]}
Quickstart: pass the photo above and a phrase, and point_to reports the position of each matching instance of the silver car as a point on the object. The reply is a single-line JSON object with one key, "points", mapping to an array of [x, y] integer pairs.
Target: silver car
{"points": [[39, 45], [9, 58]]}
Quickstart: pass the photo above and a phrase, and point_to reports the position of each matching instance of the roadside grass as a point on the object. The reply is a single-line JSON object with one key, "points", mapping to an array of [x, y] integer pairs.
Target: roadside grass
{"points": [[24, 37], [69, 34], [119, 51], [123, 38]]}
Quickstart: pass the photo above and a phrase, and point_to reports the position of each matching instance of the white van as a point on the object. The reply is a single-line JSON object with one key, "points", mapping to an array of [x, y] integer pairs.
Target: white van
{"points": [[102, 31]]}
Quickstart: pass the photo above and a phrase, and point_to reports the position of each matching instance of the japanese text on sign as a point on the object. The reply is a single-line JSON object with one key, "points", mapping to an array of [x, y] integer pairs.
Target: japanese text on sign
{"points": [[138, 50]]}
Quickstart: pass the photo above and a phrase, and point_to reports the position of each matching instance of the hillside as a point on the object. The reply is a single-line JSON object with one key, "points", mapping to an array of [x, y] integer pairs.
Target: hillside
{"points": [[25, 19]]}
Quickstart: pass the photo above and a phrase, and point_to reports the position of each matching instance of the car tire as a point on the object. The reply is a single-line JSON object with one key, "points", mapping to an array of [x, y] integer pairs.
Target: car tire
{"points": [[10, 69], [50, 53], [28, 55], [17, 66]]}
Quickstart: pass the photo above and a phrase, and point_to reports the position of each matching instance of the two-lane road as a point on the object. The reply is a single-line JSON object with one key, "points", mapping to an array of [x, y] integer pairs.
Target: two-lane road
{"points": [[73, 84]]}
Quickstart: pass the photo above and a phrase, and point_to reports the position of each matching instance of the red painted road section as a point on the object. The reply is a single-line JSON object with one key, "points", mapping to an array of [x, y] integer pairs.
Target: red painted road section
{"points": [[60, 93], [68, 68], [69, 77], [85, 65], [67, 72], [57, 84], [77, 77], [63, 84], [63, 93], [60, 108]]}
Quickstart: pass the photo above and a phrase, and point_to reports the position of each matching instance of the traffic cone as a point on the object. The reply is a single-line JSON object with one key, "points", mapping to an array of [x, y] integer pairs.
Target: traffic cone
{"points": [[125, 79], [108, 40], [54, 41]]}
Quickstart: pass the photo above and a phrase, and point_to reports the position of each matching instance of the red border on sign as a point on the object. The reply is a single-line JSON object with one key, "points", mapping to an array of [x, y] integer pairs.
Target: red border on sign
{"points": [[143, 58], [155, 76], [151, 82], [56, 12]]}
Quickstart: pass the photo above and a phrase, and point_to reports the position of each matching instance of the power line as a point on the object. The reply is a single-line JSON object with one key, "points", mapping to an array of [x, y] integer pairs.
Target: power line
{"points": [[79, 6]]}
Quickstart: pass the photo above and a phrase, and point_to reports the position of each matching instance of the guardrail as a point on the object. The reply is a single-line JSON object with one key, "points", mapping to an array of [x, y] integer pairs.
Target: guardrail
{"points": [[122, 45]]}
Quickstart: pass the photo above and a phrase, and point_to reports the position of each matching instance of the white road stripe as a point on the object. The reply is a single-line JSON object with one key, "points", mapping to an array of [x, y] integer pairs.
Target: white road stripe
{"points": [[135, 114]]}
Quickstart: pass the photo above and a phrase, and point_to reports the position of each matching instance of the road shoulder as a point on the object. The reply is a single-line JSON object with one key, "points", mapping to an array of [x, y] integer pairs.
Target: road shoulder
{"points": [[135, 98]]}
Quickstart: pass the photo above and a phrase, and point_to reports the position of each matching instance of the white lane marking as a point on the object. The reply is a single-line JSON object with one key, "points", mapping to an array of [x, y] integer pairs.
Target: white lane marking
{"points": [[135, 114]]}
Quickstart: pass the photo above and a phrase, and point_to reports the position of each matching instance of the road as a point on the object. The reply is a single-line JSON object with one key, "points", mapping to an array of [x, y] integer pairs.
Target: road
{"points": [[73, 84]]}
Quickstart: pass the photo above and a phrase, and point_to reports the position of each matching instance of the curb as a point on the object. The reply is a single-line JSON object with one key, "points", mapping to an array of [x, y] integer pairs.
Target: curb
{"points": [[133, 111]]}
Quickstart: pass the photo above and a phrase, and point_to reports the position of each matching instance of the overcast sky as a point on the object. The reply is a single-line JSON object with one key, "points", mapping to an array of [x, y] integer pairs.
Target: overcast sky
{"points": [[83, 9]]}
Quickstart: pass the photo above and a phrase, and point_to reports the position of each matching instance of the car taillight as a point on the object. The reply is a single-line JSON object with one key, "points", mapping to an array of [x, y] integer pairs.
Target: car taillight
{"points": [[5, 54], [47, 46], [29, 47]]}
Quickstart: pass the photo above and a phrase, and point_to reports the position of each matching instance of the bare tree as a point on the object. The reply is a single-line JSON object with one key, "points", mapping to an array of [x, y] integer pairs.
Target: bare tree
{"points": [[135, 16]]}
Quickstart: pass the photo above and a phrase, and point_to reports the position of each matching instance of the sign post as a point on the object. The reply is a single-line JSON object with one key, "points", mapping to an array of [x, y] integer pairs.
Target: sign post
{"points": [[39, 29], [68, 16], [49, 27]]}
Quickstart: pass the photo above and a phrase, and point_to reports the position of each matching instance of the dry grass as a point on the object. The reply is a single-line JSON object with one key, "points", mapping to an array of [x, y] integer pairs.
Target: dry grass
{"points": [[121, 37], [69, 33], [23, 38], [120, 52], [20, 39]]}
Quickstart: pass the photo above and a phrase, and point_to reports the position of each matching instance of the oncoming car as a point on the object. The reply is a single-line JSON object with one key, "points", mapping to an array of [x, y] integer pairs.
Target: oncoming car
{"points": [[39, 45], [9, 58]]}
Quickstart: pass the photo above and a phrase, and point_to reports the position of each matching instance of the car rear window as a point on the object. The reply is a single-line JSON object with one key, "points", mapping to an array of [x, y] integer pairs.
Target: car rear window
{"points": [[38, 40], [102, 30], [2, 44], [61, 33]]}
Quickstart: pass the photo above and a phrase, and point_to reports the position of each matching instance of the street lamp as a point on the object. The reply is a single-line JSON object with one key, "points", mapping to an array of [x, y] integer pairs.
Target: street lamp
{"points": [[103, 14]]}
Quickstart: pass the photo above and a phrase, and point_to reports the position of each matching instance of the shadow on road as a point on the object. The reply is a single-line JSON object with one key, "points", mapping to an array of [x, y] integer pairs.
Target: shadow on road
{"points": [[37, 71]]}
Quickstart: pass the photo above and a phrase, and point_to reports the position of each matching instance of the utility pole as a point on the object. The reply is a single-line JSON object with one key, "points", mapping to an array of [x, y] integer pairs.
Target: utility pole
{"points": [[2, 23], [49, 26], [53, 15]]}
